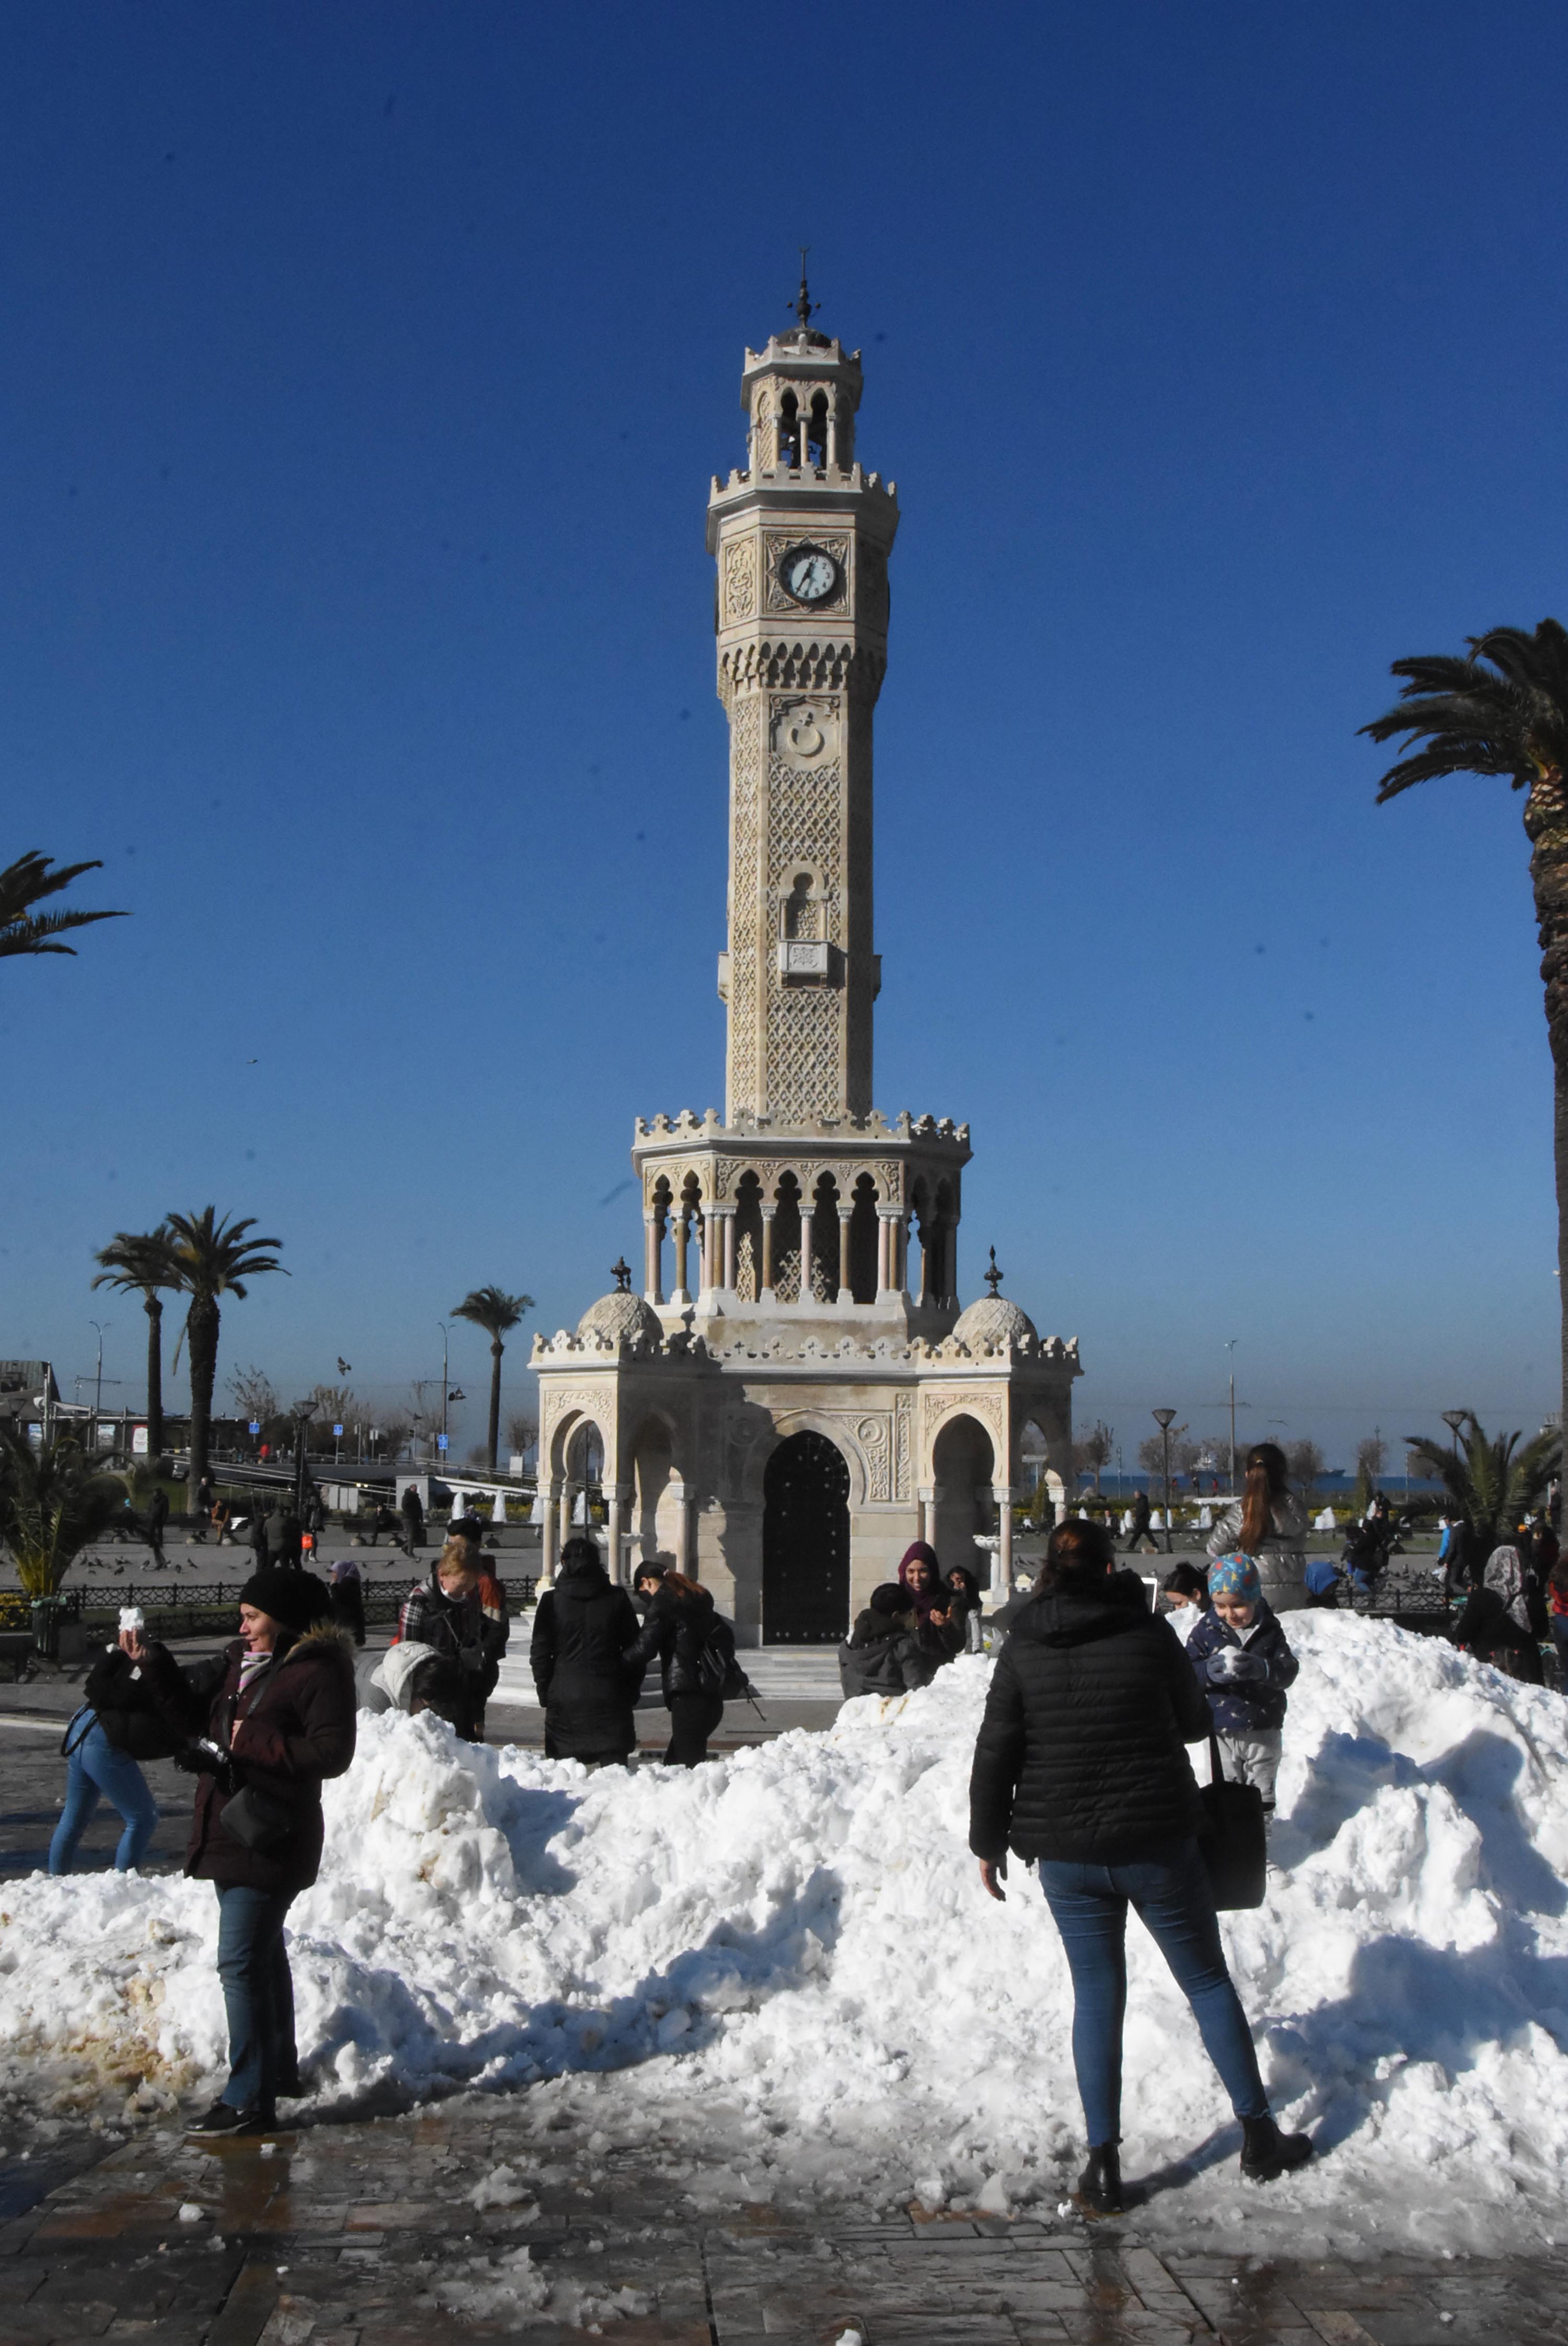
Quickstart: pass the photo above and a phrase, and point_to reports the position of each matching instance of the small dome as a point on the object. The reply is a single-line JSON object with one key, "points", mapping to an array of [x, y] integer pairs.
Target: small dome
{"points": [[622, 1317], [994, 1321]]}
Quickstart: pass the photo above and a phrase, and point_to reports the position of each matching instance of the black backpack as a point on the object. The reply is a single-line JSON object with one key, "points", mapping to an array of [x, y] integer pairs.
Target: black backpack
{"points": [[718, 1668]]}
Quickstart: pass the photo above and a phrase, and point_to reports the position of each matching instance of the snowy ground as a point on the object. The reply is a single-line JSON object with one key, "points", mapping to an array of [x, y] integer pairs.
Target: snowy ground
{"points": [[779, 1975]]}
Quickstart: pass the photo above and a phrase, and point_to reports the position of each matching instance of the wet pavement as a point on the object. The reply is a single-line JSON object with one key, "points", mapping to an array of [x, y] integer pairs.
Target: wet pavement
{"points": [[488, 2219]]}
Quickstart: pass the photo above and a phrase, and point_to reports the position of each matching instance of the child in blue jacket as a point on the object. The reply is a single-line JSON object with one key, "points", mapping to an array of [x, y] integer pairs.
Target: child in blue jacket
{"points": [[1244, 1665]]}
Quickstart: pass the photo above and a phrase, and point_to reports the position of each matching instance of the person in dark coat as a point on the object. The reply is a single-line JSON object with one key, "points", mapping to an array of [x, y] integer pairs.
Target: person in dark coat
{"points": [[154, 1519], [383, 1520], [936, 1632], [201, 1505], [413, 1519], [348, 1594], [262, 1726], [882, 1654], [117, 1727], [258, 1522], [284, 1534], [449, 1612], [1496, 1626], [1080, 1769], [583, 1629], [1143, 1523], [681, 1625]]}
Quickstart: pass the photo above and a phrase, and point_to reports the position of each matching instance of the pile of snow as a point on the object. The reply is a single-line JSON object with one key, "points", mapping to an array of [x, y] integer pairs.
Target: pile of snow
{"points": [[777, 1977]]}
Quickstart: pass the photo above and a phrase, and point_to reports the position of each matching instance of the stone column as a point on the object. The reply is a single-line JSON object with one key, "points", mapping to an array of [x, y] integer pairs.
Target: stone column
{"points": [[926, 1494], [766, 1289], [887, 1251], [806, 1234], [949, 1262], [682, 1240], [681, 1494], [927, 1266], [846, 1281], [1002, 1495], [653, 1257], [726, 1226], [569, 1491], [549, 1540], [616, 1499]]}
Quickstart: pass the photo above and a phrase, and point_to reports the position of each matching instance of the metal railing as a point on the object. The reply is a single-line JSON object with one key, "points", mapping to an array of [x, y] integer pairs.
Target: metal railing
{"points": [[212, 1605]]}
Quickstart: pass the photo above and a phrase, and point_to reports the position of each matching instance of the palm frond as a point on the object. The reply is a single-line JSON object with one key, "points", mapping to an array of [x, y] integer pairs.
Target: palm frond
{"points": [[25, 884]]}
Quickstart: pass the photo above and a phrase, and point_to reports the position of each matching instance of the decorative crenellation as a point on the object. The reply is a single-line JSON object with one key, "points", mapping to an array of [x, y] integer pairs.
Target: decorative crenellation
{"points": [[781, 1344], [775, 664], [711, 1126]]}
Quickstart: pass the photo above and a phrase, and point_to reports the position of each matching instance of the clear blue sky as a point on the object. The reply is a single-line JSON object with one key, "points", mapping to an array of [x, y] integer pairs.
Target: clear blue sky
{"points": [[364, 367]]}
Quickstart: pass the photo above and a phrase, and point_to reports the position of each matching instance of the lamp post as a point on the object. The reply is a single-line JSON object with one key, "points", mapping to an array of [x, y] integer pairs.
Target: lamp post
{"points": [[1454, 1419], [1162, 1418], [442, 1325], [98, 1378], [304, 1411], [1230, 1347]]}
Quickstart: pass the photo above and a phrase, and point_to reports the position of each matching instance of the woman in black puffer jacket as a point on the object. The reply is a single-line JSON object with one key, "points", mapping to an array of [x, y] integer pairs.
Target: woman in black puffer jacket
{"points": [[681, 1625], [1080, 1767]]}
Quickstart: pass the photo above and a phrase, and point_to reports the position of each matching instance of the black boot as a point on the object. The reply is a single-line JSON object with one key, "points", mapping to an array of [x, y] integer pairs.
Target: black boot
{"points": [[1266, 2152], [1099, 2191]]}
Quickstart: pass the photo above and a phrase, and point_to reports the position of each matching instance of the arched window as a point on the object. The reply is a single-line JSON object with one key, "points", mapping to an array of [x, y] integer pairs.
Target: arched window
{"points": [[817, 430]]}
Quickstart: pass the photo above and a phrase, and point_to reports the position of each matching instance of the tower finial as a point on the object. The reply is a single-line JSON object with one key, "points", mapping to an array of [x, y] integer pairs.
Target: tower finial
{"points": [[993, 1277], [803, 304]]}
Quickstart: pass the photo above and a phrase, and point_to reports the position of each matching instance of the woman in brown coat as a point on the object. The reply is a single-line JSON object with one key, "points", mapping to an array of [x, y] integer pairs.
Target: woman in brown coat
{"points": [[262, 1724]]}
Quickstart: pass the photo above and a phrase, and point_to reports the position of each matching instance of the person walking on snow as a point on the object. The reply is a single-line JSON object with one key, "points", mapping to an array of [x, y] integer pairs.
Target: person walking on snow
{"points": [[1268, 1523], [1243, 1664], [1496, 1625], [1080, 1770]]}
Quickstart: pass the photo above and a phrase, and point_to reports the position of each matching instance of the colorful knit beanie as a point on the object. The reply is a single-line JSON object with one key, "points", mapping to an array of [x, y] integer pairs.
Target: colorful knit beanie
{"points": [[1235, 1575]]}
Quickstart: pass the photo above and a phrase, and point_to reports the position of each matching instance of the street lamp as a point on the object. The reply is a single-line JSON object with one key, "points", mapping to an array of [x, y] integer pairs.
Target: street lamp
{"points": [[1230, 1347], [1162, 1418], [98, 1378], [444, 1395], [1454, 1419], [304, 1411]]}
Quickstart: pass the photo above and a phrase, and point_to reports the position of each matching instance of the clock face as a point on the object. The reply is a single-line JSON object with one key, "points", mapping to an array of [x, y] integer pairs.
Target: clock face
{"points": [[809, 575]]}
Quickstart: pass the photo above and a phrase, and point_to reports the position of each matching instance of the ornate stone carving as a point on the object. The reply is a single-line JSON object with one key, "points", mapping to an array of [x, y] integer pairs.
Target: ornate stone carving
{"points": [[745, 890], [740, 580], [902, 1417], [804, 727], [875, 1437]]}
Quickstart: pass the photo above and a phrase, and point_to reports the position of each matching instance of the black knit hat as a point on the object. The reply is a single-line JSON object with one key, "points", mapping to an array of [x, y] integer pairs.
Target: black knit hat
{"points": [[293, 1598]]}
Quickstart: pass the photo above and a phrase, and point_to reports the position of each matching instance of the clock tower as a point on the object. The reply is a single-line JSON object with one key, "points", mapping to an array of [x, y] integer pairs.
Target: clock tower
{"points": [[796, 1392], [802, 537]]}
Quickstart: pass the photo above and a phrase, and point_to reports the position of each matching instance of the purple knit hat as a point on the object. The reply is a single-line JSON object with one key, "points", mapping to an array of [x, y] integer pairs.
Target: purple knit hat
{"points": [[1235, 1575]]}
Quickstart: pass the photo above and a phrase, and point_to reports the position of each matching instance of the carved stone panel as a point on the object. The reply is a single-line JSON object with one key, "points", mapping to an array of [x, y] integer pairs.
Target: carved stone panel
{"points": [[740, 580]]}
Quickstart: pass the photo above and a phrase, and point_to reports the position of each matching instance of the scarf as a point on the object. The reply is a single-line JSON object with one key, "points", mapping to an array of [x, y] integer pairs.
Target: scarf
{"points": [[1505, 1576]]}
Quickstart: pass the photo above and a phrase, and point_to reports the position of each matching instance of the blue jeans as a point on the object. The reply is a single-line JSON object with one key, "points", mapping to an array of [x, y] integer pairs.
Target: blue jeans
{"points": [[258, 1994], [96, 1768], [1176, 1906]]}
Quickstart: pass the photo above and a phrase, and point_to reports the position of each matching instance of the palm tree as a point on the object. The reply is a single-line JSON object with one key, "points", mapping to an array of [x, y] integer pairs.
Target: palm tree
{"points": [[1494, 1484], [211, 1259], [1504, 709], [51, 1502], [143, 1262], [493, 1309], [23, 884]]}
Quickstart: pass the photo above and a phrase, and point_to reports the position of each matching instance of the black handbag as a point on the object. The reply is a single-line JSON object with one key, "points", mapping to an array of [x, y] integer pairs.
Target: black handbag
{"points": [[1232, 1838], [258, 1821]]}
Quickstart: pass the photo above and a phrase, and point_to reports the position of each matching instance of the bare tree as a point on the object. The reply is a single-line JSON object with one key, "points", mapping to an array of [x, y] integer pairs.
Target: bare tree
{"points": [[1305, 1463], [393, 1429], [522, 1432], [1152, 1453], [1371, 1457], [1094, 1448], [255, 1395]]}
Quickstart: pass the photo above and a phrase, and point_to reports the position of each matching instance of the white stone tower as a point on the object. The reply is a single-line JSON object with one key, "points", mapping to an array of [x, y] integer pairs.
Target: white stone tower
{"points": [[793, 1398], [802, 538]]}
